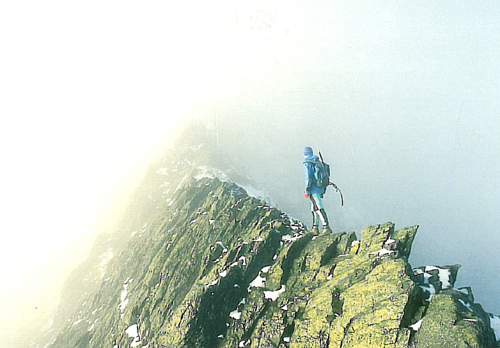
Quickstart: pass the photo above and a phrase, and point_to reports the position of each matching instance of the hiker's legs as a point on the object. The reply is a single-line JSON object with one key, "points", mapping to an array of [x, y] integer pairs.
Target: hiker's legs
{"points": [[314, 211], [324, 218], [319, 210]]}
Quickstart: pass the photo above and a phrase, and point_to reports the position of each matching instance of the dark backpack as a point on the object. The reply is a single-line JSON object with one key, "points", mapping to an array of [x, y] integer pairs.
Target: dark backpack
{"points": [[321, 173]]}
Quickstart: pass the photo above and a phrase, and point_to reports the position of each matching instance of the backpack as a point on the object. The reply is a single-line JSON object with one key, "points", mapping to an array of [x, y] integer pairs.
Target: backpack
{"points": [[321, 174]]}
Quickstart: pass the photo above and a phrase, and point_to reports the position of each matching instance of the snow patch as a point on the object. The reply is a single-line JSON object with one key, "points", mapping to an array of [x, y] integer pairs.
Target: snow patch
{"points": [[235, 314], [243, 343], [444, 275], [291, 237], [470, 320], [495, 325], [133, 332], [273, 295], [258, 282], [382, 252], [417, 325], [429, 289], [265, 269], [466, 305], [124, 296], [224, 249]]}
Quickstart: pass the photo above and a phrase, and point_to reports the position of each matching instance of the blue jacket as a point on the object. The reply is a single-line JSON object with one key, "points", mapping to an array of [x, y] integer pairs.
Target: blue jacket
{"points": [[311, 188]]}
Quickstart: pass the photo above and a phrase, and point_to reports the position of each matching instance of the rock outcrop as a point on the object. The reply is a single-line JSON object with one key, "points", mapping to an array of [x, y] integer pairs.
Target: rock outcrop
{"points": [[206, 265]]}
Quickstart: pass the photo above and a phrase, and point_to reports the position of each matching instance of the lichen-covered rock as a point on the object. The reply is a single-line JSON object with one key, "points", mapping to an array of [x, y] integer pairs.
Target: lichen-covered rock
{"points": [[450, 321], [203, 264]]}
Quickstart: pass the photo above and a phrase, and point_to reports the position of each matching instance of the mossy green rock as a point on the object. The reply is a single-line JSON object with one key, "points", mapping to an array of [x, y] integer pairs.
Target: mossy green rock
{"points": [[450, 321], [203, 264]]}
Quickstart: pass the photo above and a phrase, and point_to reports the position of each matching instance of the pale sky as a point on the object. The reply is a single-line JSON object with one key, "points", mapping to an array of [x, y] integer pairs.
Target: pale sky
{"points": [[91, 90]]}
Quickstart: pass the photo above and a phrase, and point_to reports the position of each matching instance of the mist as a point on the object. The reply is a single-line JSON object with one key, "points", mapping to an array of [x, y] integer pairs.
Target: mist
{"points": [[402, 99]]}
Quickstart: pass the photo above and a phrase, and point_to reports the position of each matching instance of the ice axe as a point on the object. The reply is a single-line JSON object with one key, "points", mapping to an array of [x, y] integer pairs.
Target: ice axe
{"points": [[338, 190], [331, 183]]}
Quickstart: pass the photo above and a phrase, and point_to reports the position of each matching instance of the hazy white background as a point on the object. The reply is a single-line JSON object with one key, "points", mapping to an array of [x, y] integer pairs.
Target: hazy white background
{"points": [[402, 97]]}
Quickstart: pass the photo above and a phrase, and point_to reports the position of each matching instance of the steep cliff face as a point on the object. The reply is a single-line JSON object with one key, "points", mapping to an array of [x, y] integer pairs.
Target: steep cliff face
{"points": [[198, 262]]}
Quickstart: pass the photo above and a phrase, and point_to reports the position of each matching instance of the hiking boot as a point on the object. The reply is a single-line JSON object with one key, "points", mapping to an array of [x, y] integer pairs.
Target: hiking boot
{"points": [[314, 230], [326, 230]]}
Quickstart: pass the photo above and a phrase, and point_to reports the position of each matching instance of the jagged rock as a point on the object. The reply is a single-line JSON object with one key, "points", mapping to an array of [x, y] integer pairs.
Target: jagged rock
{"points": [[450, 321], [207, 265]]}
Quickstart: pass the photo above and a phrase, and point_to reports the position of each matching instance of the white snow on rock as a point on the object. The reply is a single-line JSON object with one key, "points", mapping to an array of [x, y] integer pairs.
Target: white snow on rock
{"points": [[133, 332], [390, 241], [258, 282], [214, 282], [382, 252], [466, 305], [224, 249], [495, 325], [243, 259], [243, 343], [417, 325], [443, 274], [470, 320], [265, 269], [429, 289], [124, 296], [235, 314], [291, 238], [273, 295]]}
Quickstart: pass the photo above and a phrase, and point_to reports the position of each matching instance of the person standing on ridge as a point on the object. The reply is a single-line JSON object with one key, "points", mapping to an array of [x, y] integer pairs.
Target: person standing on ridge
{"points": [[314, 193]]}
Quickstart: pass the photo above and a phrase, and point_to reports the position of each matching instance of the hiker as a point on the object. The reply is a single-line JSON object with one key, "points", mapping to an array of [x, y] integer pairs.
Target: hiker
{"points": [[314, 192]]}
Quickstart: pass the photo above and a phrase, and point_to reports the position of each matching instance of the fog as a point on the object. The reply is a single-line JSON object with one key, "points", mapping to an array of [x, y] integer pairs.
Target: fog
{"points": [[402, 99]]}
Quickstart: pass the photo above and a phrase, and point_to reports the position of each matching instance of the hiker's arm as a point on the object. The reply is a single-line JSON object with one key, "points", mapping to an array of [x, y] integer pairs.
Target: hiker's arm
{"points": [[308, 179]]}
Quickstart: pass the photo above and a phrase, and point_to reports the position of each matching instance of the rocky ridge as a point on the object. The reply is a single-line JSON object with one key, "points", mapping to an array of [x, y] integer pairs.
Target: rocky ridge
{"points": [[197, 262]]}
